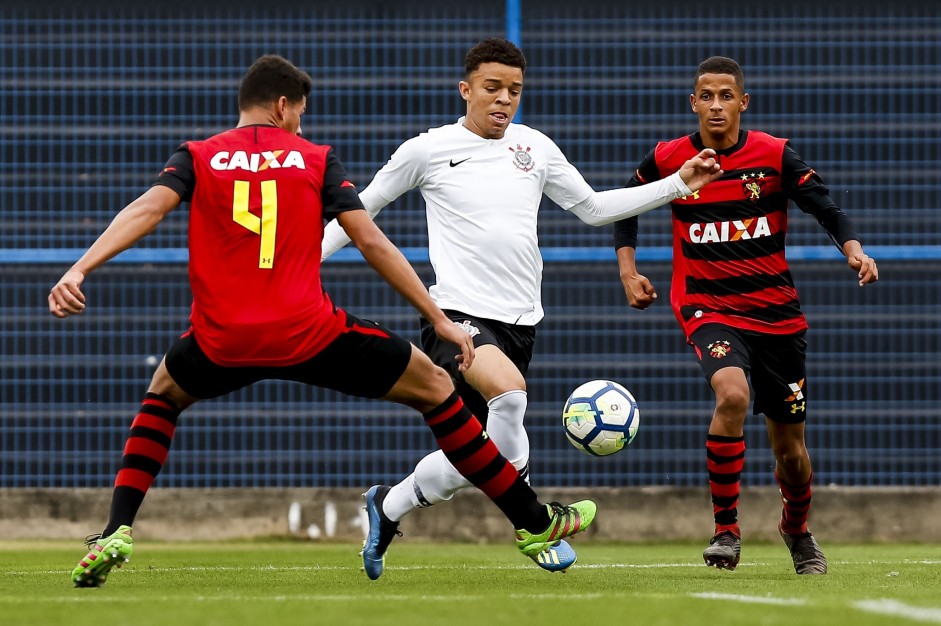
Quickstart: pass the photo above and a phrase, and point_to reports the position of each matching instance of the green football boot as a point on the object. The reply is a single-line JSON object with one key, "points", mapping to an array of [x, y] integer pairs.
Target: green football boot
{"points": [[564, 521], [105, 553]]}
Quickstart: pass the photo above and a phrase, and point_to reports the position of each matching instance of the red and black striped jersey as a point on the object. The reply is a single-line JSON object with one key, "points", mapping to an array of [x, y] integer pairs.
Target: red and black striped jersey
{"points": [[258, 199], [729, 262]]}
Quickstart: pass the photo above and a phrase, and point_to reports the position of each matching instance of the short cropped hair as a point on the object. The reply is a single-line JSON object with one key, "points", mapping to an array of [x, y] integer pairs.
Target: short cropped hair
{"points": [[271, 77], [721, 65], [494, 50]]}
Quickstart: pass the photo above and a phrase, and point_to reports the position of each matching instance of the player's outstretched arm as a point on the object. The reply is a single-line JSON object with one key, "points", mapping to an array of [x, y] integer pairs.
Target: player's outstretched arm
{"points": [[605, 207], [130, 225], [864, 265], [701, 170], [391, 264]]}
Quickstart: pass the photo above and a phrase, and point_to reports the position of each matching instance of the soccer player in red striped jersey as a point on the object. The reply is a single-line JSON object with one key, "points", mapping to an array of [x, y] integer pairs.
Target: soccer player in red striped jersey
{"points": [[734, 298], [259, 195]]}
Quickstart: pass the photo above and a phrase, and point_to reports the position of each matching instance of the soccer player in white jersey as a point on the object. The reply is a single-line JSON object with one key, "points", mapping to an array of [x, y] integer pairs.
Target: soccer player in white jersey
{"points": [[482, 179]]}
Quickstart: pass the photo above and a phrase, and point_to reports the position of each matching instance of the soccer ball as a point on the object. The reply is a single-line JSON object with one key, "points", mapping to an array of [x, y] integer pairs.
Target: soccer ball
{"points": [[600, 417]]}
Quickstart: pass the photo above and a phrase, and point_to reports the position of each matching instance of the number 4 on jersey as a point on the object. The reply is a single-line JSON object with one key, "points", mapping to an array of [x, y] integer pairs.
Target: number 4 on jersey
{"points": [[266, 226]]}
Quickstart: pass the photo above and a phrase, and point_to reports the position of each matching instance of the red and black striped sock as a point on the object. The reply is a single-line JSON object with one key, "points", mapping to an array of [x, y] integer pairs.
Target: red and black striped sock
{"points": [[796, 500], [725, 458], [464, 442], [145, 452]]}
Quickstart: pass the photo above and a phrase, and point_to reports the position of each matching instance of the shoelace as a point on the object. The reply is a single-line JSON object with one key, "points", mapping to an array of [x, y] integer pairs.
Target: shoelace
{"points": [[566, 515], [560, 509], [91, 540]]}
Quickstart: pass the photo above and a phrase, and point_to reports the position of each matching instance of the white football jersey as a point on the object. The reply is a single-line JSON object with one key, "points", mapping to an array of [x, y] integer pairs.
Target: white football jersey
{"points": [[482, 197]]}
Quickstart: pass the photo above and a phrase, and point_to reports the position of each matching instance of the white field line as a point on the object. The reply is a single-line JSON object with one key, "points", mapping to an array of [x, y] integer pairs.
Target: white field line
{"points": [[80, 598], [339, 568], [731, 597], [520, 567], [894, 608], [892, 562], [94, 597]]}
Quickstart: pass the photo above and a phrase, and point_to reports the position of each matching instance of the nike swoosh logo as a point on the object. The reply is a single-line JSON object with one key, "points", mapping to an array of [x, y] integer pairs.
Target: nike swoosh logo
{"points": [[453, 164]]}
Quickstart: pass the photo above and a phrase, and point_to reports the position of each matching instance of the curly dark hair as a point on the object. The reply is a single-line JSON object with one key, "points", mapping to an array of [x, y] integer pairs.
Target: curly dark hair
{"points": [[721, 65], [271, 77], [494, 50]]}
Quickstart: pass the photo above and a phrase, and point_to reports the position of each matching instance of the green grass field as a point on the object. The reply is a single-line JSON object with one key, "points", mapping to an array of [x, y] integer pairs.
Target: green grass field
{"points": [[286, 582]]}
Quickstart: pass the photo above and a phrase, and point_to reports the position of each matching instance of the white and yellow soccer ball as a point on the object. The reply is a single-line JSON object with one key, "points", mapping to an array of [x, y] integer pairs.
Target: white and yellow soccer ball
{"points": [[600, 417]]}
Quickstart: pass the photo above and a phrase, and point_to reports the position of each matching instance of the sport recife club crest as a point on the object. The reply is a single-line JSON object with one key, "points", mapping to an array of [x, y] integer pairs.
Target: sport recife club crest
{"points": [[752, 185], [719, 349]]}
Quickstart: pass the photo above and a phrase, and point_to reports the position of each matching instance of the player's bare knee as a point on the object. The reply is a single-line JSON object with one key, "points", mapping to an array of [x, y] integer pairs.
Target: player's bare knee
{"points": [[791, 454], [164, 385], [423, 385], [732, 401], [440, 385]]}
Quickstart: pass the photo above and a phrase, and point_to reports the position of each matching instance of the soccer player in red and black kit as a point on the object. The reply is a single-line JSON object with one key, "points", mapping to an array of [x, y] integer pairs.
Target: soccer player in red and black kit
{"points": [[734, 297], [259, 195]]}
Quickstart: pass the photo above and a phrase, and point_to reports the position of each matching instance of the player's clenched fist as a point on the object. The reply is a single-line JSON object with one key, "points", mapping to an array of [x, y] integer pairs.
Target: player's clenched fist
{"points": [[701, 170], [66, 298]]}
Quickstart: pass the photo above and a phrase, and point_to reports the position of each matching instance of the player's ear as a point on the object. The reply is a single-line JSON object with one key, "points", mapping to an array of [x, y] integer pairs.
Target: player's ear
{"points": [[692, 101], [464, 88], [744, 103]]}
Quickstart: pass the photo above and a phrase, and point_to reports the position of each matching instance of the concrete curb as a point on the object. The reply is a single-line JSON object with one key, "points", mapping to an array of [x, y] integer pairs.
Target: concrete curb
{"points": [[840, 515]]}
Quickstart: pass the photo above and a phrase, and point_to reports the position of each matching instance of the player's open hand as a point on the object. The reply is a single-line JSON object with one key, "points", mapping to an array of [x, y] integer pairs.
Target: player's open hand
{"points": [[639, 291], [449, 331], [701, 170], [865, 267], [66, 298]]}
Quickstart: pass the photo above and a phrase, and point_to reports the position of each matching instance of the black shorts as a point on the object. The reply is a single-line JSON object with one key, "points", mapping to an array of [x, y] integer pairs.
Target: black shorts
{"points": [[775, 364], [366, 360], [516, 342]]}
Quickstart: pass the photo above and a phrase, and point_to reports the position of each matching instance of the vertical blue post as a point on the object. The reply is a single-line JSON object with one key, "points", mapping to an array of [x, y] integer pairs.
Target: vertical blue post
{"points": [[514, 20]]}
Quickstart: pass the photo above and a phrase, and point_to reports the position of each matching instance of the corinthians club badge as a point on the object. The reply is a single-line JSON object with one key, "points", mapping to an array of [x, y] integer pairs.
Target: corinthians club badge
{"points": [[521, 158]]}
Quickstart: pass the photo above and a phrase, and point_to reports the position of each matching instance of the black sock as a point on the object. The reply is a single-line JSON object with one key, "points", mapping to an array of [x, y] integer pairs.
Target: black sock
{"points": [[145, 452]]}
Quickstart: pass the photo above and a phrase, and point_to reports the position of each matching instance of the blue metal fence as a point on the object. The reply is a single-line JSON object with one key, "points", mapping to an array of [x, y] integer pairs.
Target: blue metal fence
{"points": [[94, 97]]}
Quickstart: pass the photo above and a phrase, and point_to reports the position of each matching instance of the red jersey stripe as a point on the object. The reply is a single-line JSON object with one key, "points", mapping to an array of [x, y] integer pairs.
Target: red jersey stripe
{"points": [[773, 264], [785, 327], [741, 304]]}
